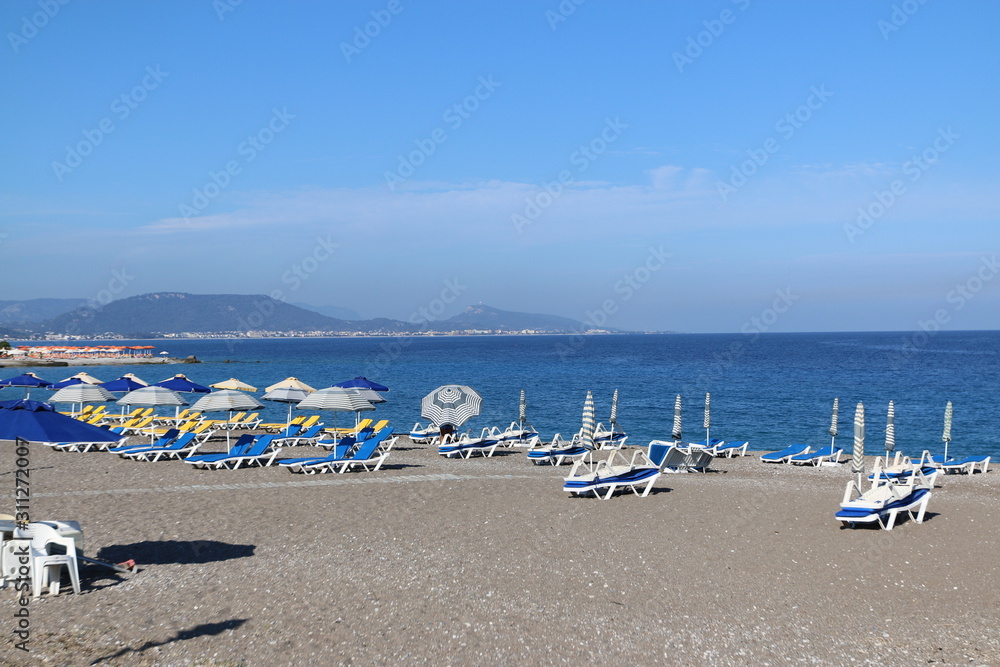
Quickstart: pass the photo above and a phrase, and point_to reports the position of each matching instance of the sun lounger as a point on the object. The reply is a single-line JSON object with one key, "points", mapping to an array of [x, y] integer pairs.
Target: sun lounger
{"points": [[338, 451], [465, 446], [422, 435], [364, 434], [186, 444], [308, 437], [556, 452], [609, 438], [820, 456], [517, 435], [260, 454], [785, 454], [86, 446], [672, 458], [370, 455], [608, 475], [282, 426], [886, 499], [240, 447], [967, 466], [169, 436], [352, 430]]}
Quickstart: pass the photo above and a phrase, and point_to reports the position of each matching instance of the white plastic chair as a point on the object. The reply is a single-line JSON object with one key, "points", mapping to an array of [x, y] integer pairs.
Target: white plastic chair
{"points": [[46, 568]]}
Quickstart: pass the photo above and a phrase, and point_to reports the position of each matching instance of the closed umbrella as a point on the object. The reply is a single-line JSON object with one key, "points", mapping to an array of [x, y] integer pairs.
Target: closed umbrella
{"points": [[82, 393], [947, 429], [451, 405], [614, 408], [858, 457], [833, 423], [708, 419], [890, 431], [336, 399], [522, 409], [587, 430], [676, 433], [27, 380], [228, 400], [233, 383]]}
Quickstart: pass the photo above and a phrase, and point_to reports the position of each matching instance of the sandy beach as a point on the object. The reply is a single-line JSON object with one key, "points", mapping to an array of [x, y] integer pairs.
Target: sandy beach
{"points": [[488, 561]]}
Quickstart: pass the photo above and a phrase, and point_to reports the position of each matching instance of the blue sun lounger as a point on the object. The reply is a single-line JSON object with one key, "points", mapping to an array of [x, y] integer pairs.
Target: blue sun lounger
{"points": [[242, 446], [887, 514], [257, 454], [186, 444], [369, 453], [731, 449], [785, 454], [168, 437], [586, 477], [308, 437], [819, 456], [339, 451]]}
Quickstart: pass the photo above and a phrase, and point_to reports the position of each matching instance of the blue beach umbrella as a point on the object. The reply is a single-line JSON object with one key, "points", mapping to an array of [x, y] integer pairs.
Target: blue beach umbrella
{"points": [[26, 380], [124, 384], [361, 383], [181, 383], [35, 421]]}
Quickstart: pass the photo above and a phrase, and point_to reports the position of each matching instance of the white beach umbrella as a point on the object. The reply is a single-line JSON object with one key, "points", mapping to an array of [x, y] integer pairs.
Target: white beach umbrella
{"points": [[152, 397], [833, 423], [82, 393], [451, 404], [676, 433], [288, 395], [587, 430], [336, 399], [708, 419], [228, 400]]}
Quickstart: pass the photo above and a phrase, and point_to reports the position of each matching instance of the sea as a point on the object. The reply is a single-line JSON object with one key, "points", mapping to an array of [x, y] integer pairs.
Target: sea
{"points": [[771, 389]]}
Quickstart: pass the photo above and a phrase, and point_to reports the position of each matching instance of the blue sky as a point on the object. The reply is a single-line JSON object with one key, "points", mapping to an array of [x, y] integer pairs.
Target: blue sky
{"points": [[704, 166]]}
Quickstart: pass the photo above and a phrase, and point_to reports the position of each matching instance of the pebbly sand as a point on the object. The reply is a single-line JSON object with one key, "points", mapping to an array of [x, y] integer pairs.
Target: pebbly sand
{"points": [[488, 561]]}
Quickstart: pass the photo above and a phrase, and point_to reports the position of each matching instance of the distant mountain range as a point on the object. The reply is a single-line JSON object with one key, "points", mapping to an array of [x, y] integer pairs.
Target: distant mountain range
{"points": [[171, 313], [35, 310]]}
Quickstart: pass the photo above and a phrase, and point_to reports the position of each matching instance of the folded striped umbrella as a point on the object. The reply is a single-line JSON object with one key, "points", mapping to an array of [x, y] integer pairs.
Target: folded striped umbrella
{"points": [[833, 420], [587, 432], [522, 413], [614, 408], [890, 431], [708, 419], [451, 404], [858, 457], [947, 429], [676, 434]]}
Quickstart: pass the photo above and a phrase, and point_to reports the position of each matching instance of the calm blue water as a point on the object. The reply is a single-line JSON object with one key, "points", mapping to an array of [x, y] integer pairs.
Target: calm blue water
{"points": [[772, 389]]}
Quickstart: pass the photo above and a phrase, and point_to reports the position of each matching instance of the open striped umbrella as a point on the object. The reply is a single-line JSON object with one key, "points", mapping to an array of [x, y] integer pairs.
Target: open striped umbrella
{"points": [[336, 399], [226, 400], [288, 395], [151, 397], [676, 433], [587, 432], [947, 429], [858, 457], [82, 393], [451, 405], [708, 419], [890, 431]]}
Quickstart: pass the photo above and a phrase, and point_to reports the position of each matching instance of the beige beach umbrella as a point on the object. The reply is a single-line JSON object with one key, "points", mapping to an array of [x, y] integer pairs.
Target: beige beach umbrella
{"points": [[291, 383], [84, 377], [234, 384]]}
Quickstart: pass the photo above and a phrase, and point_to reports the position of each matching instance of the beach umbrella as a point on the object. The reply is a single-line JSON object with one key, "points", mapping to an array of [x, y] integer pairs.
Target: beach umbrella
{"points": [[288, 395], [291, 383], [181, 383], [79, 378], [833, 423], [336, 399], [708, 418], [858, 457], [361, 383], [26, 380], [124, 384], [151, 397], [614, 408], [522, 409], [451, 405], [82, 393], [369, 395], [35, 421], [947, 429], [587, 430], [232, 383], [890, 431], [228, 400], [676, 433]]}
